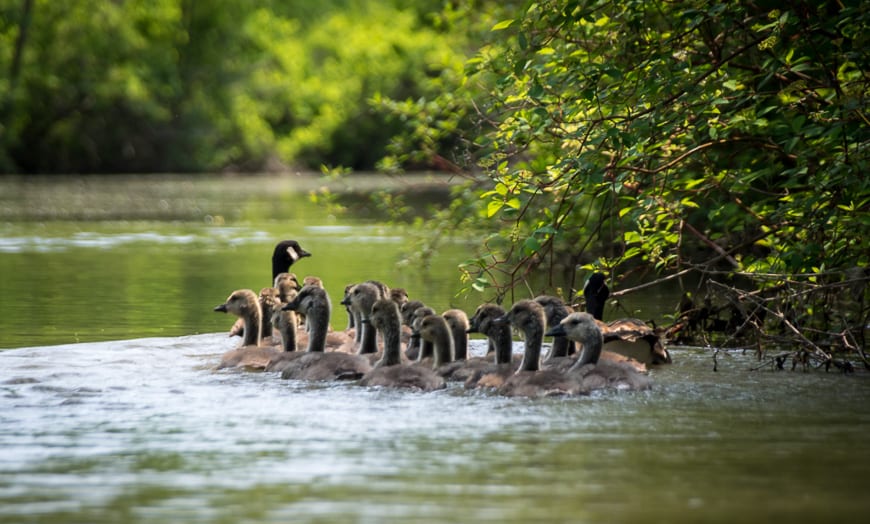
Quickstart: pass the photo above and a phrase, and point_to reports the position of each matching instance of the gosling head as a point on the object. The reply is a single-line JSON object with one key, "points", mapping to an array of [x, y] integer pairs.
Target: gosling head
{"points": [[580, 327], [483, 320], [241, 302], [308, 298], [525, 315], [385, 314]]}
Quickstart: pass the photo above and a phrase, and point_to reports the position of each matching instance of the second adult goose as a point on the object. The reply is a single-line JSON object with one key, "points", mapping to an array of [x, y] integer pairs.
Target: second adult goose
{"points": [[627, 336], [389, 371], [315, 363]]}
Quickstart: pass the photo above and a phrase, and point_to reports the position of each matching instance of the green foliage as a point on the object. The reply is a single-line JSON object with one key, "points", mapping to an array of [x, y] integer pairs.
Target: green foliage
{"points": [[698, 135], [178, 85]]}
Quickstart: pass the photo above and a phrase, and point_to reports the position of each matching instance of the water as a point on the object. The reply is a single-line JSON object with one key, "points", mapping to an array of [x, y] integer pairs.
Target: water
{"points": [[145, 430], [133, 424], [104, 258]]}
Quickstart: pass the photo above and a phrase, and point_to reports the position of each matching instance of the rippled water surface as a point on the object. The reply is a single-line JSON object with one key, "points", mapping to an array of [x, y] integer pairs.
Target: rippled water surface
{"points": [[111, 409], [145, 430]]}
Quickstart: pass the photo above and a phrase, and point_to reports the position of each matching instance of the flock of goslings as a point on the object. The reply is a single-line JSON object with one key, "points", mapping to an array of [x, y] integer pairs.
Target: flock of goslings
{"points": [[392, 341]]}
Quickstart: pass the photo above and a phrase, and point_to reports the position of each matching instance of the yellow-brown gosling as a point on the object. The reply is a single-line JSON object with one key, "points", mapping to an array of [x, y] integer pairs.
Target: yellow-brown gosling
{"points": [[389, 371], [360, 299], [316, 363], [245, 304], [530, 318], [591, 372]]}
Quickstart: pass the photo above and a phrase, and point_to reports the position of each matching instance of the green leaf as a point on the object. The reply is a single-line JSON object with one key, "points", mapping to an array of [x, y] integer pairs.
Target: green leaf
{"points": [[504, 24]]}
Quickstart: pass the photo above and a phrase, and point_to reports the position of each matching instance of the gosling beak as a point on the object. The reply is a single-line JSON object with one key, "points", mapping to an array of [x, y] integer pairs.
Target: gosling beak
{"points": [[556, 331], [221, 308]]}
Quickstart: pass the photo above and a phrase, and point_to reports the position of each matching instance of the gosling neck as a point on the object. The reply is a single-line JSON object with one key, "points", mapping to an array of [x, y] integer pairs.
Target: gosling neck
{"points": [[561, 347], [369, 339], [503, 343], [391, 331], [288, 333], [534, 336], [460, 343], [318, 323], [592, 344], [253, 326], [443, 349]]}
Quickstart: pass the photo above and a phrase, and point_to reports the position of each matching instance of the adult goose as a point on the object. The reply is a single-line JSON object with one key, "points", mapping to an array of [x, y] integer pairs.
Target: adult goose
{"points": [[286, 253], [390, 371], [315, 363], [627, 336], [589, 371]]}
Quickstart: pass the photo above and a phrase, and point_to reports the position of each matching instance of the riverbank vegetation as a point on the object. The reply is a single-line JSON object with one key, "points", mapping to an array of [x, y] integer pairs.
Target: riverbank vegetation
{"points": [[654, 140], [719, 142]]}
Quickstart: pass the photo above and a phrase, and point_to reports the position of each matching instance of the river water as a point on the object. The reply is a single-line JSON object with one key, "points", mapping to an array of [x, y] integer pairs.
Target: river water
{"points": [[133, 424]]}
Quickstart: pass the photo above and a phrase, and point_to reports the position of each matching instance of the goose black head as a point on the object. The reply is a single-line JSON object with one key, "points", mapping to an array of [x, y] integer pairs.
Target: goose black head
{"points": [[596, 292], [286, 253]]}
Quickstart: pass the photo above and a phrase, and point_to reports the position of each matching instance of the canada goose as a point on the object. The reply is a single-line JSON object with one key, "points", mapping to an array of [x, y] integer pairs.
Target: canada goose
{"points": [[627, 336], [313, 281], [481, 372], [245, 304], [286, 324], [268, 299], [418, 347], [315, 363], [399, 296], [269, 302], [408, 309], [589, 370], [286, 253], [353, 316], [555, 310], [529, 380], [286, 283], [389, 371], [360, 299], [498, 333], [529, 317], [463, 367], [457, 321], [433, 328]]}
